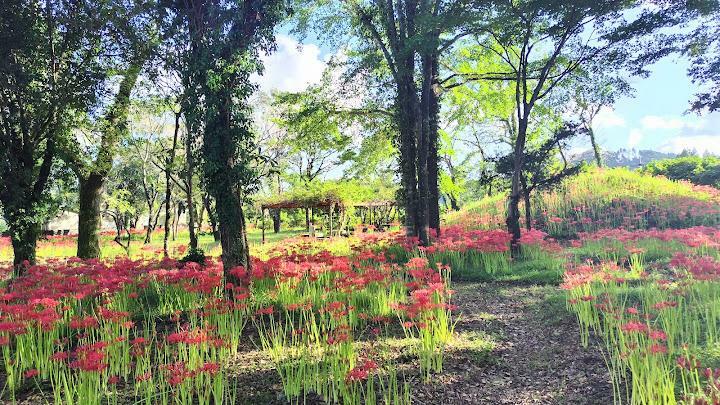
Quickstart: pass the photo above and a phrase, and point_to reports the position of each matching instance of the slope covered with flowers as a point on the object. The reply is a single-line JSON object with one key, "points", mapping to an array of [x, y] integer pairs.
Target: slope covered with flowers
{"points": [[606, 199]]}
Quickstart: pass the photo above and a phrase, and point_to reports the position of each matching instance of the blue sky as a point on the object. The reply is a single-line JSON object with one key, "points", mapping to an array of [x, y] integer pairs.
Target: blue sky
{"points": [[656, 117]]}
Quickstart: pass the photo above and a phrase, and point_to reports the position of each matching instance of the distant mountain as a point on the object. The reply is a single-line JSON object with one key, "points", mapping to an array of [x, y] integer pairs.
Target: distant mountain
{"points": [[631, 158]]}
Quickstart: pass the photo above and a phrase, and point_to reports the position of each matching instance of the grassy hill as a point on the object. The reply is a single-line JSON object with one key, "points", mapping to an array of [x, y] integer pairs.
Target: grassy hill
{"points": [[605, 198]]}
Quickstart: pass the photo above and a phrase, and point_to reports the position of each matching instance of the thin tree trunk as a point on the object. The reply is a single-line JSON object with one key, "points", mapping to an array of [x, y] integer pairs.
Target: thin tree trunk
{"points": [[211, 217], [526, 201], [190, 168], [454, 203], [148, 231], [595, 146], [276, 220], [89, 216], [168, 182]]}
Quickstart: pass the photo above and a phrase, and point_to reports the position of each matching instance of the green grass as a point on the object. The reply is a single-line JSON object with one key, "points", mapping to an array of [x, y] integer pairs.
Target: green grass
{"points": [[67, 247]]}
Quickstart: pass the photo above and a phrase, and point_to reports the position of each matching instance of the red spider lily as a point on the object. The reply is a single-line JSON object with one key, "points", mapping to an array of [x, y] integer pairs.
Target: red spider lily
{"points": [[265, 311], [143, 377], [211, 368], [361, 371], [657, 335], [188, 337], [635, 327], [87, 322], [89, 358], [658, 349], [59, 356], [31, 373]]}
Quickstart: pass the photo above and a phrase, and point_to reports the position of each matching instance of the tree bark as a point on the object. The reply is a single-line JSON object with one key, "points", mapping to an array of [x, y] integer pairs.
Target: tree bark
{"points": [[595, 146], [150, 227], [89, 216], [526, 201], [276, 220], [168, 182], [220, 144], [423, 152], [212, 217], [24, 242], [454, 203], [513, 215], [406, 119], [114, 128], [433, 158], [190, 168], [233, 236]]}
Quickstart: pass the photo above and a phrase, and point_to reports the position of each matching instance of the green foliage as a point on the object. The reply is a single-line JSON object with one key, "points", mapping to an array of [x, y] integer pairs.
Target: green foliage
{"points": [[542, 167], [313, 129], [347, 192], [195, 256], [695, 169]]}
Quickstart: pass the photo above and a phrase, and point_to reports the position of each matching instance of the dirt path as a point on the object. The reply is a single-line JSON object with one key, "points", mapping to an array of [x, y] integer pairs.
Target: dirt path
{"points": [[537, 358]]}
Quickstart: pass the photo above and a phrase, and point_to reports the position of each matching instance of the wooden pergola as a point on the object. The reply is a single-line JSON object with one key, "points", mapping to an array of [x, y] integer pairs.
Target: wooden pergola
{"points": [[328, 203], [378, 213]]}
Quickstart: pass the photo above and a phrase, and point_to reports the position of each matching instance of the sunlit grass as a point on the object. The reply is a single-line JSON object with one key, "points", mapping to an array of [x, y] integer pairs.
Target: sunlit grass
{"points": [[65, 247]]}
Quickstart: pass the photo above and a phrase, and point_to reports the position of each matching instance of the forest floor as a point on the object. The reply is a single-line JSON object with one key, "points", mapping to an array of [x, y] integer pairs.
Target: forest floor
{"points": [[537, 357], [516, 344]]}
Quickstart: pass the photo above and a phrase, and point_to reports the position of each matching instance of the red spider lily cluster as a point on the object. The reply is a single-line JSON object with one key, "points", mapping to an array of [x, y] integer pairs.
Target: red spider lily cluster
{"points": [[167, 328], [692, 237], [652, 316]]}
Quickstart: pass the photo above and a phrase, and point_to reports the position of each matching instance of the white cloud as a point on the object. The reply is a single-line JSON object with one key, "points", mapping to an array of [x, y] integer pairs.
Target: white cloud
{"points": [[701, 143], [661, 123], [292, 67], [607, 118], [634, 138]]}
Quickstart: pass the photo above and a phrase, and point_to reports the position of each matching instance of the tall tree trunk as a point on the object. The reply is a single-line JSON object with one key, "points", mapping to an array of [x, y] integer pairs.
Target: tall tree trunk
{"points": [[423, 146], [114, 128], [168, 182], [433, 158], [513, 215], [406, 119], [89, 216], [595, 146], [220, 150], [233, 236], [190, 168]]}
